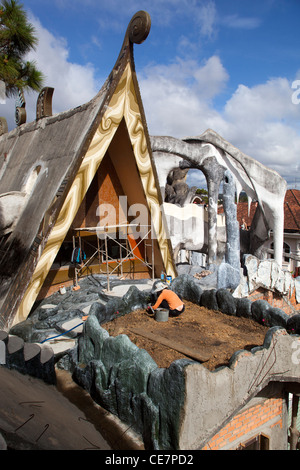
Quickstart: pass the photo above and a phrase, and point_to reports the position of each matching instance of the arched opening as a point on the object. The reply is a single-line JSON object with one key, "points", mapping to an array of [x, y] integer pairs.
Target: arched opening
{"points": [[186, 204]]}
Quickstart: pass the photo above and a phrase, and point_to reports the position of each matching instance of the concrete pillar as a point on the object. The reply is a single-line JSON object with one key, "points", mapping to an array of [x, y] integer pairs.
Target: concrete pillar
{"points": [[278, 236], [232, 255], [214, 175]]}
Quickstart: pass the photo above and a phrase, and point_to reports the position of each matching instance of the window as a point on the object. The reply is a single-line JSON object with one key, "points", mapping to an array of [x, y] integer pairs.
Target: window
{"points": [[259, 442]]}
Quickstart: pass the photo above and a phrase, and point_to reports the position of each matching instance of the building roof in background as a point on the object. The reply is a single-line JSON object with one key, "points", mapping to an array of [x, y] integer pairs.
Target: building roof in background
{"points": [[291, 211]]}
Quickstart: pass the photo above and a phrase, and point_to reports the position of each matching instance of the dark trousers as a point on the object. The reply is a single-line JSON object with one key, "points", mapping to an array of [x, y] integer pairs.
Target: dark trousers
{"points": [[172, 313]]}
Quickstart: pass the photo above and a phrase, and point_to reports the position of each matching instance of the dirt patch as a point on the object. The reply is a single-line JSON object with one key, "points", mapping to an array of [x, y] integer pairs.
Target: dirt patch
{"points": [[199, 332]]}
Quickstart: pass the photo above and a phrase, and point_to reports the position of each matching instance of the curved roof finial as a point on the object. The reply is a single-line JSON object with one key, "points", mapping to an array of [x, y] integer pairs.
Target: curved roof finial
{"points": [[139, 27], [136, 33]]}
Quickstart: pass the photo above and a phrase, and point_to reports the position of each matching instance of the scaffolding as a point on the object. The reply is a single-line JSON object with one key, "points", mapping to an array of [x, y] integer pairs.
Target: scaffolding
{"points": [[103, 235]]}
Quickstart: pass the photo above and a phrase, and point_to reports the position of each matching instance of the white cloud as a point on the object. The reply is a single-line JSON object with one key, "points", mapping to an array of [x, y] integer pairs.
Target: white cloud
{"points": [[206, 15], [74, 84], [179, 99], [270, 100], [211, 78], [176, 97], [262, 121], [237, 22]]}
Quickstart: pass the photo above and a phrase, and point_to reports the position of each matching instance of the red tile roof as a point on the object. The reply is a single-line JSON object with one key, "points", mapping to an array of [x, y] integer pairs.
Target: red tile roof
{"points": [[291, 211], [242, 212]]}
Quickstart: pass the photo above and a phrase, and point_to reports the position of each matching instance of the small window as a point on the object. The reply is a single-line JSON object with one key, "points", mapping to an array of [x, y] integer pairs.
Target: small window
{"points": [[259, 442]]}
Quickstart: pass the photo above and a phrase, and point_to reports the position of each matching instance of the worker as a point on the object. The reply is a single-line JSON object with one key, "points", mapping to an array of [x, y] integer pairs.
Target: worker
{"points": [[169, 300]]}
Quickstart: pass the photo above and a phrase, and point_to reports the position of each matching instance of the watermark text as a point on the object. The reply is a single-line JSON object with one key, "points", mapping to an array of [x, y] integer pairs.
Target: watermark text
{"points": [[296, 94]]}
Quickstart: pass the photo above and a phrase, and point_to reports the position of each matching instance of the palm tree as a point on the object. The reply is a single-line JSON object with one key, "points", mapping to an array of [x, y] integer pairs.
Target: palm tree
{"points": [[17, 38]]}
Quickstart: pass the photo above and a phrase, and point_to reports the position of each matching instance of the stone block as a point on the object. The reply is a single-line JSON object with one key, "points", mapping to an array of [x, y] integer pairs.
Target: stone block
{"points": [[166, 389], [260, 312], [209, 299], [226, 302], [185, 286], [293, 324], [263, 275], [297, 289], [15, 353], [228, 276], [3, 445], [243, 308], [278, 317], [90, 344]]}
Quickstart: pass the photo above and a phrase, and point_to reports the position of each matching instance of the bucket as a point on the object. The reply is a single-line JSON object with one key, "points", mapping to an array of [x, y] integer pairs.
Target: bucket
{"points": [[161, 314]]}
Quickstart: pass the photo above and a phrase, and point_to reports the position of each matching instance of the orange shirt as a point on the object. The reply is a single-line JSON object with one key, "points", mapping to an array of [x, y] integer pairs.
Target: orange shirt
{"points": [[172, 299]]}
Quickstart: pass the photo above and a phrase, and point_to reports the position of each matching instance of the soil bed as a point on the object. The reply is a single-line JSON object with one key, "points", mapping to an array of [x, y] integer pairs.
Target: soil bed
{"points": [[211, 333]]}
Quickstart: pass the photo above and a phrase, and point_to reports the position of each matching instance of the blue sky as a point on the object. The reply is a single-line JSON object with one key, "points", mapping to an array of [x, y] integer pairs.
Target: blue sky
{"points": [[228, 65]]}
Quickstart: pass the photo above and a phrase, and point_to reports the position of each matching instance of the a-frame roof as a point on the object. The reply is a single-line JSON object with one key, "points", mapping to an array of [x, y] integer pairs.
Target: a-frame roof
{"points": [[47, 167]]}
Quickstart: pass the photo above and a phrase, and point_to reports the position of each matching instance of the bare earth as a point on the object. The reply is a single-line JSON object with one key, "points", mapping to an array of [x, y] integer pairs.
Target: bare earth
{"points": [[208, 336]]}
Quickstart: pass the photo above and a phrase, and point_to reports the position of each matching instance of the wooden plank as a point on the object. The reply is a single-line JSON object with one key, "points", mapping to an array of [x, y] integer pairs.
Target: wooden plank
{"points": [[196, 354]]}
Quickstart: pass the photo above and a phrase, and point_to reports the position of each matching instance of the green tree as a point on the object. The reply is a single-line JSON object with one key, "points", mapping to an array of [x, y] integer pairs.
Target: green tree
{"points": [[17, 38], [203, 194]]}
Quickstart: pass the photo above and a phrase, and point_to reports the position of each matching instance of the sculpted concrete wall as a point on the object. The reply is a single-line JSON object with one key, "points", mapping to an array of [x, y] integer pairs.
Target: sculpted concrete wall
{"points": [[11, 205], [213, 155], [180, 407], [187, 227], [185, 405], [212, 398]]}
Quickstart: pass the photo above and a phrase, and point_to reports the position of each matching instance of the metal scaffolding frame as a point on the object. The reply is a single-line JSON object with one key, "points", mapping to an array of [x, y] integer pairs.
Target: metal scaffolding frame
{"points": [[103, 235]]}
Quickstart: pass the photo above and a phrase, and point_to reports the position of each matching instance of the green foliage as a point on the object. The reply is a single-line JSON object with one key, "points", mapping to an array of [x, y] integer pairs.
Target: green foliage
{"points": [[17, 38], [203, 193]]}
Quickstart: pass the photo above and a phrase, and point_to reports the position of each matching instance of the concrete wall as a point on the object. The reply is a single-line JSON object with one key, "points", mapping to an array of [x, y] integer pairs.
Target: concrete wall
{"points": [[213, 399], [185, 406]]}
